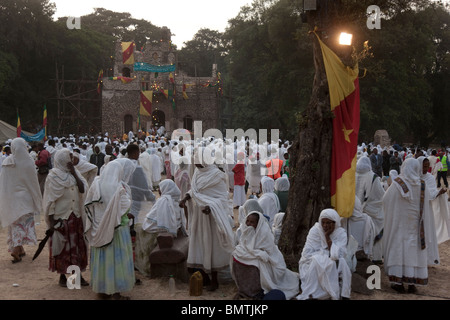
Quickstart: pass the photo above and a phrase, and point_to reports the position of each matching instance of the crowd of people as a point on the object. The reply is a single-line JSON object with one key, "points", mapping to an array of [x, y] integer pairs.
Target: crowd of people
{"points": [[105, 200]]}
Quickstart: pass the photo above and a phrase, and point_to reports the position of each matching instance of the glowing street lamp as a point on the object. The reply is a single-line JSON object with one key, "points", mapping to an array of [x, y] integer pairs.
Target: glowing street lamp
{"points": [[345, 39]]}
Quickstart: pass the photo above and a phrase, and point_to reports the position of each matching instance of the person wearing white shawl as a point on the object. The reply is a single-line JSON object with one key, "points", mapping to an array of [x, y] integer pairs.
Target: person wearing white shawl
{"points": [[370, 192], [282, 186], [210, 219], [360, 225], [146, 164], [254, 173], [166, 215], [249, 206], [277, 226], [21, 198], [88, 170], [324, 272], [182, 177], [107, 229], [156, 168], [406, 207], [257, 248], [269, 200], [63, 207], [438, 204]]}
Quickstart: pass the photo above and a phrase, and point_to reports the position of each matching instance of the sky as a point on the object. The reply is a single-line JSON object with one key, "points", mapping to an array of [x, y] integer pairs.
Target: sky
{"points": [[183, 17]]}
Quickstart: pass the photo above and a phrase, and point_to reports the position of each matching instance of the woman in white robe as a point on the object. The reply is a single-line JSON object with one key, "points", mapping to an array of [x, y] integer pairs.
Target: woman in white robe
{"points": [[249, 206], [107, 229], [361, 227], [370, 192], [63, 207], [210, 220], [438, 206], [269, 200], [20, 197], [405, 239], [257, 248], [324, 272], [87, 170], [156, 168]]}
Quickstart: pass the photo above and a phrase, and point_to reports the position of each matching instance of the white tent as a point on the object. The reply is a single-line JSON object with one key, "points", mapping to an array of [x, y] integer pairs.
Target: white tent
{"points": [[8, 131]]}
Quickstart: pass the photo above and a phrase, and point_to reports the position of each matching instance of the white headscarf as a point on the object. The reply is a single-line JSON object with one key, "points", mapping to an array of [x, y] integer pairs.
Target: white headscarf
{"points": [[257, 248], [19, 187], [59, 178], [267, 184], [269, 200], [109, 198], [282, 184], [166, 215]]}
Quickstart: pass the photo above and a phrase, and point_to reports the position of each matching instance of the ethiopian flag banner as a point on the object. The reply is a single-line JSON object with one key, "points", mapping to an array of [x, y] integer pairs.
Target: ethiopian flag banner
{"points": [[19, 126], [128, 52], [344, 100], [146, 103], [44, 122]]}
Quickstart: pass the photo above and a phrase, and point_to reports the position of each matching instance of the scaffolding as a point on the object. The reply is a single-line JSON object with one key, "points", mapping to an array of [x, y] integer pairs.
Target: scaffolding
{"points": [[79, 106]]}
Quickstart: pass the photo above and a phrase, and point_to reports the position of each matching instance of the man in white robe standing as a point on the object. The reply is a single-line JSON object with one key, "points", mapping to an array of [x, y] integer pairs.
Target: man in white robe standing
{"points": [[210, 212], [406, 215]]}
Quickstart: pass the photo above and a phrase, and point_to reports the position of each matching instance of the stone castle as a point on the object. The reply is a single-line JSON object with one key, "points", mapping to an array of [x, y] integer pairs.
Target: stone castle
{"points": [[178, 100]]}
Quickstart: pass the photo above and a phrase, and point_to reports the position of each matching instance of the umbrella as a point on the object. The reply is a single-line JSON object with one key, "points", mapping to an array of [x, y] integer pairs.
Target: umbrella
{"points": [[48, 234]]}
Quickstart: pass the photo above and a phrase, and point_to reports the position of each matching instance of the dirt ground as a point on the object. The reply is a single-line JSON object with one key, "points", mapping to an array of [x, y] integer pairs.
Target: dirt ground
{"points": [[31, 280]]}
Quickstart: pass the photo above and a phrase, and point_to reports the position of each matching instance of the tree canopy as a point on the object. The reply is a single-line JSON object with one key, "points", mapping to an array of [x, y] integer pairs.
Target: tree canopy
{"points": [[264, 56]]}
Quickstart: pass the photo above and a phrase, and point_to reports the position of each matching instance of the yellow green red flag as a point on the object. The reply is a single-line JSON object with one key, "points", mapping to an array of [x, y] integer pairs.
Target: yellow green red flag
{"points": [[44, 124], [128, 52], [146, 103], [19, 126], [344, 100]]}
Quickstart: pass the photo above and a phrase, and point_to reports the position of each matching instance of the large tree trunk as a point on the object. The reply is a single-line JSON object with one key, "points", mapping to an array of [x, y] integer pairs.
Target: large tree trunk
{"points": [[310, 161]]}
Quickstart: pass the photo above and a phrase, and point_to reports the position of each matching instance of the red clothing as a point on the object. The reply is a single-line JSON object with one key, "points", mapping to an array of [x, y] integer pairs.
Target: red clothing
{"points": [[274, 168], [43, 157], [239, 174]]}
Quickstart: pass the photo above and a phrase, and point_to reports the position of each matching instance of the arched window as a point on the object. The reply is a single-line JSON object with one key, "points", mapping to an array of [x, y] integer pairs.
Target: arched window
{"points": [[187, 123], [158, 118], [126, 72]]}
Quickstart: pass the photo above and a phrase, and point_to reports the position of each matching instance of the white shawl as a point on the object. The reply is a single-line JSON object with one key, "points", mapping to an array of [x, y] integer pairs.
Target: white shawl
{"points": [[108, 199], [166, 215], [257, 248], [87, 169], [204, 192], [19, 187], [317, 255], [269, 201]]}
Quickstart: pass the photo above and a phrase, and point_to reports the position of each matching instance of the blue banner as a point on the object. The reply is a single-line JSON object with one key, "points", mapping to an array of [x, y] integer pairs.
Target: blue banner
{"points": [[36, 137], [143, 66]]}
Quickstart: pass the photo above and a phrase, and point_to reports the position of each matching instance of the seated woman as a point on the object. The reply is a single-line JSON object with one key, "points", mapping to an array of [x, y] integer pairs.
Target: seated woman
{"points": [[269, 200], [282, 191], [249, 206], [362, 228], [323, 263], [164, 217], [258, 266]]}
